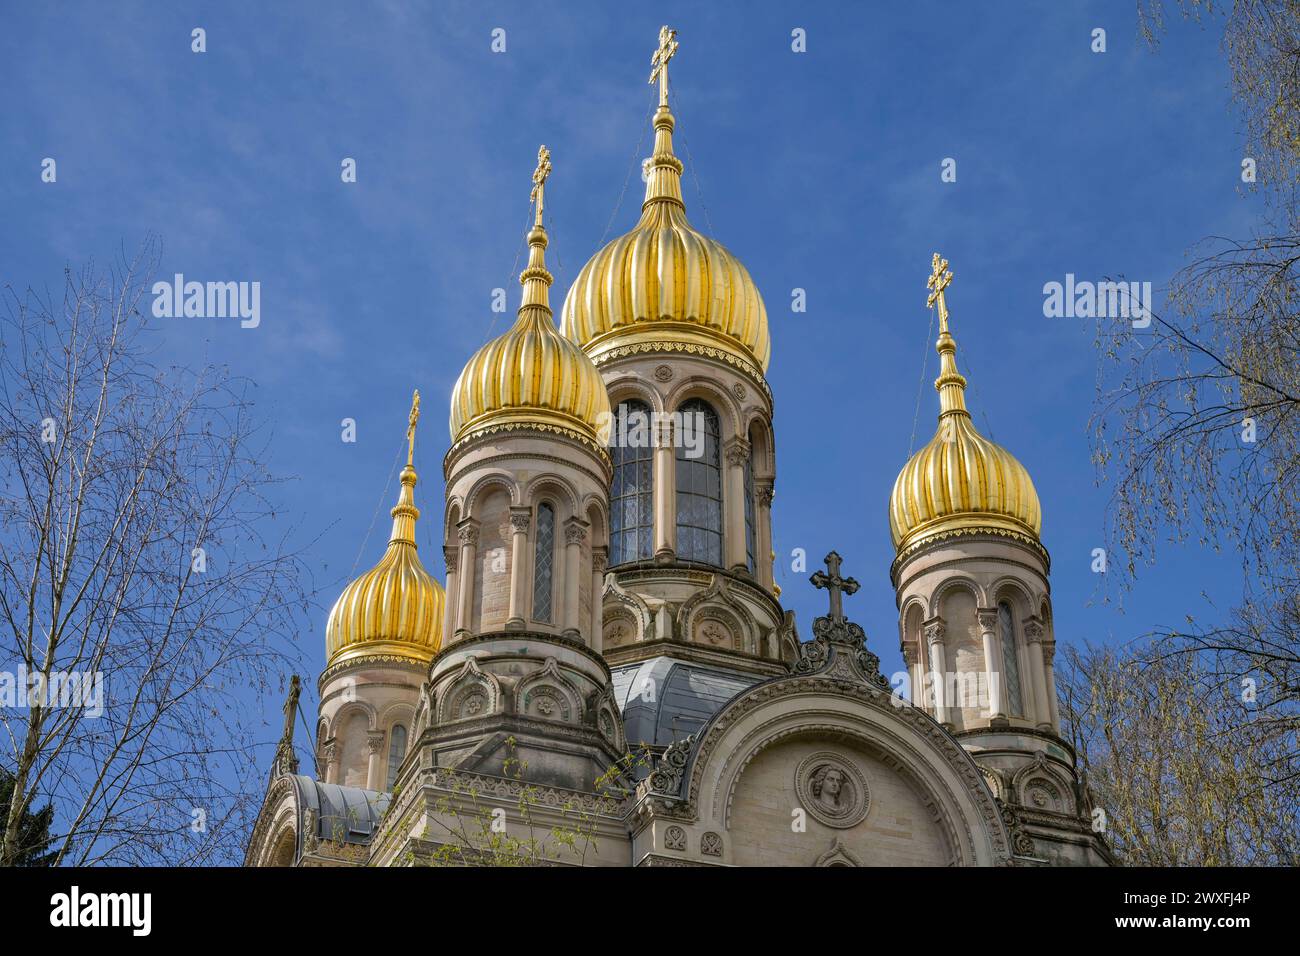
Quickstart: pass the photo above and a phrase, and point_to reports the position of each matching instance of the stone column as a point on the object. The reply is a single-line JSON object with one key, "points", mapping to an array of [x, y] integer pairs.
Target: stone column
{"points": [[1037, 673], [451, 598], [665, 478], [599, 562], [763, 495], [912, 657], [1049, 655], [575, 532], [934, 634], [519, 566], [988, 620], [375, 741], [467, 531], [733, 506], [329, 761]]}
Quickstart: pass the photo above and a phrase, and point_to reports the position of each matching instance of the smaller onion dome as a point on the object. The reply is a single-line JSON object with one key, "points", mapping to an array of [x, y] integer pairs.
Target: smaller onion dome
{"points": [[395, 608], [532, 377], [960, 482]]}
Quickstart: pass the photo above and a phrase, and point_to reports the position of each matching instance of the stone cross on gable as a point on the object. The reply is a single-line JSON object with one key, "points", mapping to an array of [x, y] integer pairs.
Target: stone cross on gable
{"points": [[836, 585]]}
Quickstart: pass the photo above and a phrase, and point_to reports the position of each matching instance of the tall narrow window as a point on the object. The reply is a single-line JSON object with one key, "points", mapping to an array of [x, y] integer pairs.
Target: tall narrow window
{"points": [[749, 509], [699, 484], [631, 501], [1010, 660], [543, 563], [396, 752]]}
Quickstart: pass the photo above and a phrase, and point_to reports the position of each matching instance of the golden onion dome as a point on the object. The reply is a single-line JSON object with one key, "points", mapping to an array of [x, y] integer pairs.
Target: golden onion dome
{"points": [[960, 482], [664, 286], [395, 608], [531, 377]]}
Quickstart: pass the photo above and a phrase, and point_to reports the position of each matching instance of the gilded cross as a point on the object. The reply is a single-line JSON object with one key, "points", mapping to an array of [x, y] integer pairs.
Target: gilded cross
{"points": [[411, 422], [940, 277], [540, 175], [659, 62], [837, 585]]}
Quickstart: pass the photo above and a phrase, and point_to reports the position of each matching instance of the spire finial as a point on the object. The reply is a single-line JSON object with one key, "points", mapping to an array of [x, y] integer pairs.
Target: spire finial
{"points": [[540, 175], [663, 170], [951, 384], [940, 278], [535, 279], [404, 512], [412, 421], [659, 61]]}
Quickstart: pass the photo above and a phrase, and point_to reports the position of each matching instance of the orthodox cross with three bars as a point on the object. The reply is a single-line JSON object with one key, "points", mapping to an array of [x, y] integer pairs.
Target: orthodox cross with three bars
{"points": [[659, 62], [411, 422], [835, 584], [540, 175], [940, 277]]}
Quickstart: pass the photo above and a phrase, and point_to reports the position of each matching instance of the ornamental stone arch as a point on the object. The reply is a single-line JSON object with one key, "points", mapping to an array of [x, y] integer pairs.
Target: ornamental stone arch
{"points": [[620, 603], [627, 388], [955, 582], [549, 695], [1018, 594], [483, 484], [276, 838], [1043, 786], [829, 716], [708, 390], [720, 603], [552, 487], [471, 693]]}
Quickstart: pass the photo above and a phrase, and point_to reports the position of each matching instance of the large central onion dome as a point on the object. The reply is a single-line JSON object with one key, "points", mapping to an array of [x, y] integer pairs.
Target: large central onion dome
{"points": [[395, 608], [960, 482], [664, 287], [531, 376]]}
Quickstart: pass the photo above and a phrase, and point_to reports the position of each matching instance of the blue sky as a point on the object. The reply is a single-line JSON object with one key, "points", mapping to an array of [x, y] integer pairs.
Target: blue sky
{"points": [[819, 170]]}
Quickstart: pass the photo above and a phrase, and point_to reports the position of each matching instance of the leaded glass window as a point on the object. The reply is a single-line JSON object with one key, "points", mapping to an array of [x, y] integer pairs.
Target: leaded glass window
{"points": [[543, 563], [699, 484], [1010, 660], [396, 752], [631, 502]]}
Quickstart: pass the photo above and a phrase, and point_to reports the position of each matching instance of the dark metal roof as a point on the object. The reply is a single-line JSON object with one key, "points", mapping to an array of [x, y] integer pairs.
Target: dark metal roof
{"points": [[664, 699]]}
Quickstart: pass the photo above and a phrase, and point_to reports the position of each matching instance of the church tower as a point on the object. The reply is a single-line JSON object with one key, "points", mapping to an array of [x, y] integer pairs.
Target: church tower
{"points": [[521, 677], [975, 618], [382, 632], [678, 330]]}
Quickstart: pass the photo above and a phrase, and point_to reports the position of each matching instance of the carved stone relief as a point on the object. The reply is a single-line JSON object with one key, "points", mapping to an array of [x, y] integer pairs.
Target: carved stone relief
{"points": [[832, 789]]}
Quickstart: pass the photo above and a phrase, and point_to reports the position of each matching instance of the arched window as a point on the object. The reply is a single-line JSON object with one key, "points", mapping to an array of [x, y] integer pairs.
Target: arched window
{"points": [[699, 484], [749, 509], [1010, 660], [543, 562], [631, 502], [396, 752]]}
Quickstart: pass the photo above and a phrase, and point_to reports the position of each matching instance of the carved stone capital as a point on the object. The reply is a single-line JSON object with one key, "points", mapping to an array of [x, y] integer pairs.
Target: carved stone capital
{"points": [[737, 452], [1033, 631], [467, 531], [934, 632], [764, 492], [1049, 652], [575, 531], [375, 741], [988, 619], [599, 560], [519, 521], [452, 557]]}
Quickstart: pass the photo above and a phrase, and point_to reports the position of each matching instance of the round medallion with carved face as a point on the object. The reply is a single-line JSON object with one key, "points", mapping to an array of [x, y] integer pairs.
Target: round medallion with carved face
{"points": [[832, 789]]}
